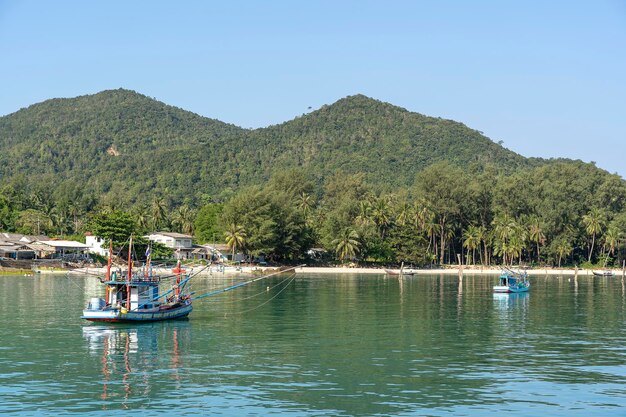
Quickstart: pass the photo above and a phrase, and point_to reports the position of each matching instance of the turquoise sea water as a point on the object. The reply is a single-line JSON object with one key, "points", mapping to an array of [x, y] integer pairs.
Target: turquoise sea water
{"points": [[329, 345]]}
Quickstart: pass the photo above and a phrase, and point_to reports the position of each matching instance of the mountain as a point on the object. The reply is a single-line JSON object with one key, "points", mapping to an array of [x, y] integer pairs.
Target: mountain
{"points": [[131, 148], [388, 143]]}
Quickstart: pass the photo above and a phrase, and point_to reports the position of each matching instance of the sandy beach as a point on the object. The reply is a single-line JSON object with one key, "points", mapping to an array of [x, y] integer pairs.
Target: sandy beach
{"points": [[232, 270], [450, 271]]}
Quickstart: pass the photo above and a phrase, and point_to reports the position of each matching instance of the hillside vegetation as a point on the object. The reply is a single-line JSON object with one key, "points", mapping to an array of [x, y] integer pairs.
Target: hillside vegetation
{"points": [[362, 178]]}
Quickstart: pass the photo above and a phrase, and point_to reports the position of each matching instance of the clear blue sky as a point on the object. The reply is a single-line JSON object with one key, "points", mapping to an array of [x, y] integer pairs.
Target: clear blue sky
{"points": [[548, 78]]}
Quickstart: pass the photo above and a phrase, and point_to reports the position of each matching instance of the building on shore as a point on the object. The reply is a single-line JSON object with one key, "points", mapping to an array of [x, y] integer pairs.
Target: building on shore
{"points": [[17, 246], [96, 244], [181, 244]]}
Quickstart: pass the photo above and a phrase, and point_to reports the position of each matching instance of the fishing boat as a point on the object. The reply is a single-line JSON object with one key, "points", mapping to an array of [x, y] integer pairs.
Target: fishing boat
{"points": [[606, 273], [402, 271], [512, 282], [135, 296]]}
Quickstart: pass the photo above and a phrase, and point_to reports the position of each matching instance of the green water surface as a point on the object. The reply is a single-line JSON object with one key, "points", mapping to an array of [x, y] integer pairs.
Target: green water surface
{"points": [[329, 345]]}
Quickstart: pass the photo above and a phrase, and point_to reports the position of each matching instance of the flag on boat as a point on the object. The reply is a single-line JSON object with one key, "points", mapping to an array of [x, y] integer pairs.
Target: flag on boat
{"points": [[148, 251]]}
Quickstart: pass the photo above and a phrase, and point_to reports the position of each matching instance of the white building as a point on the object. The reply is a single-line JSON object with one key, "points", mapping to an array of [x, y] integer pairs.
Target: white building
{"points": [[96, 245], [181, 243]]}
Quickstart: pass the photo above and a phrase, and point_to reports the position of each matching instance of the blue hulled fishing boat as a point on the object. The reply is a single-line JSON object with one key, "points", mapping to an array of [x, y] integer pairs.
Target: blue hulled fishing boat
{"points": [[135, 297], [512, 282]]}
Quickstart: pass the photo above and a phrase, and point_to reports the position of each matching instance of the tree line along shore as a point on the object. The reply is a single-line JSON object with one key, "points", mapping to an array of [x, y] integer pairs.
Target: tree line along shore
{"points": [[556, 215]]}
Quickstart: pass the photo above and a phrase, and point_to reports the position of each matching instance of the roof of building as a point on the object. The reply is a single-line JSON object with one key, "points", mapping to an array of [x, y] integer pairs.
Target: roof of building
{"points": [[64, 244], [171, 234], [18, 237], [40, 247]]}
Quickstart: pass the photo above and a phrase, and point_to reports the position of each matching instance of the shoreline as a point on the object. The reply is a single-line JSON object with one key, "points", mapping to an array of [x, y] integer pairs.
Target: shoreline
{"points": [[453, 271], [251, 270]]}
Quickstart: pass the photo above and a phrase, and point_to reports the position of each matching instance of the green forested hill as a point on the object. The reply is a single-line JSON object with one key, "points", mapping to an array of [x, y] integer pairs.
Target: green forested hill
{"points": [[124, 145], [390, 144], [356, 177]]}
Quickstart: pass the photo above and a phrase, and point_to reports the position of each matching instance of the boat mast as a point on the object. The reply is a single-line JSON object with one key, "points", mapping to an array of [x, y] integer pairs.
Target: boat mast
{"points": [[178, 271], [108, 276], [130, 271], [148, 256]]}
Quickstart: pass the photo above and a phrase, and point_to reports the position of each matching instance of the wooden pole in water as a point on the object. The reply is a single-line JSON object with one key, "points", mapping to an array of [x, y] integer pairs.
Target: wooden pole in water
{"points": [[458, 257], [623, 268]]}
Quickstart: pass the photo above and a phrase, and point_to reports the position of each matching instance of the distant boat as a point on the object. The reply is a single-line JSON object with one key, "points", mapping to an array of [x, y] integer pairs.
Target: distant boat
{"points": [[512, 282], [397, 272], [134, 297], [603, 273], [402, 271]]}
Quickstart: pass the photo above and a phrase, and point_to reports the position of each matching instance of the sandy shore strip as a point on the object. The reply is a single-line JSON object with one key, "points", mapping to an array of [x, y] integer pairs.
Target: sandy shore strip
{"points": [[448, 271], [232, 270]]}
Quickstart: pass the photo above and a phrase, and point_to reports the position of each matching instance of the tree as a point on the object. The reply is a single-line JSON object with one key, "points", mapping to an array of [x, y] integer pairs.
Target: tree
{"points": [[158, 212], [183, 218], [34, 222], [563, 248], [381, 215], [611, 240], [536, 235], [594, 222], [347, 244], [471, 241], [235, 238], [444, 188], [115, 225], [207, 224]]}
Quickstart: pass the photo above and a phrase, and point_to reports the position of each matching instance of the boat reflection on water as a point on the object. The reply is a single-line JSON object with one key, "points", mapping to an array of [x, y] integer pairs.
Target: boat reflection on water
{"points": [[137, 359], [508, 301]]}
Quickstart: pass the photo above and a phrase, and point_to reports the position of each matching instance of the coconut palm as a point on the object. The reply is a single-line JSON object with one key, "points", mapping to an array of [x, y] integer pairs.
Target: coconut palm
{"points": [[347, 244], [305, 203], [563, 248], [471, 241], [503, 229], [158, 212], [381, 215], [535, 233], [594, 222], [183, 217], [235, 237], [403, 212], [611, 240], [365, 213]]}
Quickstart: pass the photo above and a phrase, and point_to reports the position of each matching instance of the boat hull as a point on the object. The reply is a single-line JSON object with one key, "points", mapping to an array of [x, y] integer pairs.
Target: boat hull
{"points": [[509, 290], [116, 316]]}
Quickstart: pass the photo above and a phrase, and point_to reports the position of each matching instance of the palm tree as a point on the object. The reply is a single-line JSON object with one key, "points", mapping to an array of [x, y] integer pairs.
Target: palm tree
{"points": [[594, 222], [305, 203], [235, 238], [365, 213], [347, 244], [402, 213], [380, 215], [471, 241], [536, 235], [158, 212], [563, 248], [611, 240], [503, 229], [183, 217]]}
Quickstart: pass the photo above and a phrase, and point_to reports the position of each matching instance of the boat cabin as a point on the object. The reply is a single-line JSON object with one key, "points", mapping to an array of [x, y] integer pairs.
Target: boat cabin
{"points": [[507, 280], [143, 293]]}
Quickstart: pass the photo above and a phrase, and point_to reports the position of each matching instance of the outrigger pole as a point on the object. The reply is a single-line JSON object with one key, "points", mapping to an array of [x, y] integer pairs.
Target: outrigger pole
{"points": [[241, 284]]}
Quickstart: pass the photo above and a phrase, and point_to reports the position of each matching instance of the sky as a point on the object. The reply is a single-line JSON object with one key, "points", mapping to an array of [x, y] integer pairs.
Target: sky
{"points": [[547, 78]]}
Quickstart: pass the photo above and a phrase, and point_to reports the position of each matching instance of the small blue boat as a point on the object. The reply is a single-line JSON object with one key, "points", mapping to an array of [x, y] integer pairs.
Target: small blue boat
{"points": [[512, 282]]}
